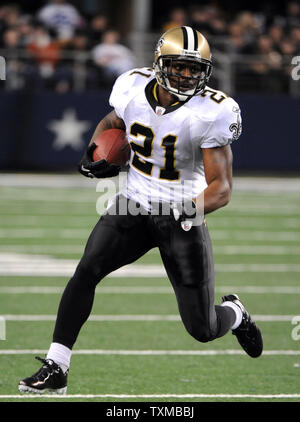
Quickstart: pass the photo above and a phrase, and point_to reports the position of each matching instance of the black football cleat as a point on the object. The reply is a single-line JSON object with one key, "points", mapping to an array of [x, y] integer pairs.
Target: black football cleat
{"points": [[247, 333], [50, 378]]}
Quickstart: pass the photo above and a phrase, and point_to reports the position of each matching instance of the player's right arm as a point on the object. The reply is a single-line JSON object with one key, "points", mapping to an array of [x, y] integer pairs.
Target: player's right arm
{"points": [[124, 88], [100, 169], [110, 121]]}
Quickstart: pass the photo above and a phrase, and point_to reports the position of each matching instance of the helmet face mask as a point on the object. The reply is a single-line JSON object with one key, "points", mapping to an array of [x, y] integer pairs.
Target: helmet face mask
{"points": [[171, 68], [183, 72]]}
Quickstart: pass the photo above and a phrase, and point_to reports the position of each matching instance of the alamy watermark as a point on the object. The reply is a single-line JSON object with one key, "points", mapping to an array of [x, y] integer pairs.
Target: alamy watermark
{"points": [[175, 201], [2, 328], [295, 73], [2, 68], [296, 330]]}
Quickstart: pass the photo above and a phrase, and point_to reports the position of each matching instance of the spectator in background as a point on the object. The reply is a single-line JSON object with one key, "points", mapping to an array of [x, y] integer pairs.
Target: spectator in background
{"points": [[178, 17], [200, 20], [287, 49], [26, 30], [249, 26], [97, 27], [61, 17], [217, 24], [2, 24], [16, 66], [295, 39], [45, 51], [276, 34], [292, 19], [219, 27], [235, 34], [237, 43], [84, 68], [112, 57], [9, 16], [267, 69], [11, 39], [284, 46], [12, 15], [80, 41], [73, 70]]}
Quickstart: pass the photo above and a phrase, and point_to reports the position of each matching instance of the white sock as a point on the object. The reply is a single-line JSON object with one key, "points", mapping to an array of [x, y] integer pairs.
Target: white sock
{"points": [[60, 354], [237, 311]]}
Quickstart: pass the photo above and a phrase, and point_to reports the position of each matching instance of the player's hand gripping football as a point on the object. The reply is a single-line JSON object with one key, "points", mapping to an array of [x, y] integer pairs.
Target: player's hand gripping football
{"points": [[98, 169]]}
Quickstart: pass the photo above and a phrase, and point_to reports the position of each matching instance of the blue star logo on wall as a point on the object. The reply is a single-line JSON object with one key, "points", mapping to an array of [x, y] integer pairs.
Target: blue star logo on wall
{"points": [[69, 131]]}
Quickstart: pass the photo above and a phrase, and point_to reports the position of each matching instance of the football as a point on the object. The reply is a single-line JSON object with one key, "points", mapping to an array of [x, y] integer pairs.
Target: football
{"points": [[112, 145]]}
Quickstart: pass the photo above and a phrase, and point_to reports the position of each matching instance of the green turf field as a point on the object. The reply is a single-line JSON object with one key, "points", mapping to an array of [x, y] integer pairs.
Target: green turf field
{"points": [[134, 347]]}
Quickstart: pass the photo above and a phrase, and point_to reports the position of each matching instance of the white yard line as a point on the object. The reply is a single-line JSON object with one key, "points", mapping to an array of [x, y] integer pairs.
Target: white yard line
{"points": [[215, 222], [43, 249], [135, 317], [73, 233], [256, 222], [48, 266], [59, 181], [236, 205], [59, 249], [274, 236], [150, 396], [48, 196], [59, 209], [150, 289], [226, 352], [66, 269], [34, 233], [274, 185], [264, 268], [89, 210], [239, 206], [257, 250], [40, 220]]}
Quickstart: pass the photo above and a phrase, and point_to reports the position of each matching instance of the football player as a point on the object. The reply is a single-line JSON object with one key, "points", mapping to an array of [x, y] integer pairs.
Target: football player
{"points": [[180, 131]]}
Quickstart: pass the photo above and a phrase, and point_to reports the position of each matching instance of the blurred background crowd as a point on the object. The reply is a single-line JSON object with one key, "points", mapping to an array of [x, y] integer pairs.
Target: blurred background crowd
{"points": [[64, 45]]}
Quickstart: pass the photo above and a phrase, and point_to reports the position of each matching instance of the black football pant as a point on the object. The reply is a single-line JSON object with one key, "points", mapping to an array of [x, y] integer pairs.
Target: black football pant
{"points": [[118, 240]]}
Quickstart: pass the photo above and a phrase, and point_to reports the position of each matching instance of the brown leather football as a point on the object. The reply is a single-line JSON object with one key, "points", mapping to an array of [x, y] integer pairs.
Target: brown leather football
{"points": [[112, 145]]}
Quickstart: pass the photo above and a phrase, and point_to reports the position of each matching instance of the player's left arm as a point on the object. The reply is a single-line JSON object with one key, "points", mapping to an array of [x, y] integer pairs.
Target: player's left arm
{"points": [[218, 174]]}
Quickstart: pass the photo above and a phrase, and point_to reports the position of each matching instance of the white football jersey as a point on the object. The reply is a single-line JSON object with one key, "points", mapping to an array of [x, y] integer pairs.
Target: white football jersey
{"points": [[166, 158]]}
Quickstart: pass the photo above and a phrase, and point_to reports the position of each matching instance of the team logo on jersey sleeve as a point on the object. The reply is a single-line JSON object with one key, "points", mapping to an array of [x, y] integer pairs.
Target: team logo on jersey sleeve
{"points": [[236, 129]]}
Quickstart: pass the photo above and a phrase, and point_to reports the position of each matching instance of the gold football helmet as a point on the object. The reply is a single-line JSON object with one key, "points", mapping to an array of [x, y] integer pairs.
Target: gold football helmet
{"points": [[176, 49]]}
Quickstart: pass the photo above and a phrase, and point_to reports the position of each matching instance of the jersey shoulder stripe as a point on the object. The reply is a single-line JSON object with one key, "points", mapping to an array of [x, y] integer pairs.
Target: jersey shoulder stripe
{"points": [[211, 104], [127, 86]]}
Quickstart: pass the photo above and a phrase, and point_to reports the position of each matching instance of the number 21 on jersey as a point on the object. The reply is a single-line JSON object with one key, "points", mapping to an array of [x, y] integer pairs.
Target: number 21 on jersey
{"points": [[168, 172]]}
